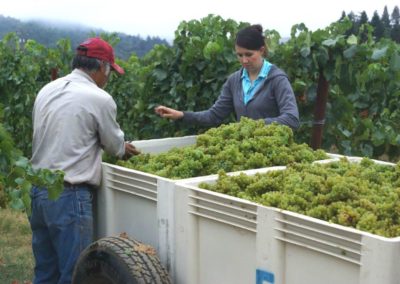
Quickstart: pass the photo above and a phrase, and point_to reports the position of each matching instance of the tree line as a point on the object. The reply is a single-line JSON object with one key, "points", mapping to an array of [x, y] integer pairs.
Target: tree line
{"points": [[48, 35], [384, 26]]}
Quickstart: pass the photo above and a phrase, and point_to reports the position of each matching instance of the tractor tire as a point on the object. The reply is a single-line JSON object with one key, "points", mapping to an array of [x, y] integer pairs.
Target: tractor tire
{"points": [[119, 260]]}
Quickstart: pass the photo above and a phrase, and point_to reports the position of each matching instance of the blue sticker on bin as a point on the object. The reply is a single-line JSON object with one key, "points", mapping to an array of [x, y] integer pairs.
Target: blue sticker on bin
{"points": [[262, 276]]}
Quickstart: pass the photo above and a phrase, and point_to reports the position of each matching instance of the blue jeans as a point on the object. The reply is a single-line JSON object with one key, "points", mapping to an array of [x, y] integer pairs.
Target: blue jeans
{"points": [[61, 229]]}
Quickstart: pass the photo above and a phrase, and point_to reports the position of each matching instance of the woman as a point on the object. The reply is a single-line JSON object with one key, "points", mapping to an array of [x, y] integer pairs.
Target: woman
{"points": [[259, 90]]}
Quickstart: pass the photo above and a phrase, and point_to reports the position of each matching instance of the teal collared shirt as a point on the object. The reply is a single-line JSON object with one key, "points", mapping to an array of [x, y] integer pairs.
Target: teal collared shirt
{"points": [[249, 89]]}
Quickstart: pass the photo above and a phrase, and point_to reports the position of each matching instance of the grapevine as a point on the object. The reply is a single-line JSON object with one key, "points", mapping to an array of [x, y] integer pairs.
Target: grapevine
{"points": [[17, 176]]}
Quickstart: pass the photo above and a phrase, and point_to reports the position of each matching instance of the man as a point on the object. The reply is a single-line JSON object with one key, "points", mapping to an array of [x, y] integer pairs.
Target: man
{"points": [[74, 119]]}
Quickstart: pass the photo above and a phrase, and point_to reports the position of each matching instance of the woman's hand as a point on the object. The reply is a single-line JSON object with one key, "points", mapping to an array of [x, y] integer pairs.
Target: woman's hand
{"points": [[167, 112]]}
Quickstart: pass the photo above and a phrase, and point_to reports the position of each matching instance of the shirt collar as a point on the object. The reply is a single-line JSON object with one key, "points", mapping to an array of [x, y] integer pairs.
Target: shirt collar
{"points": [[81, 73], [263, 72]]}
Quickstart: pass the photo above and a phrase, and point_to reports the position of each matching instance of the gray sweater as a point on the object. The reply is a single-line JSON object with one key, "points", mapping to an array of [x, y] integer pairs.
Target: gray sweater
{"points": [[274, 101]]}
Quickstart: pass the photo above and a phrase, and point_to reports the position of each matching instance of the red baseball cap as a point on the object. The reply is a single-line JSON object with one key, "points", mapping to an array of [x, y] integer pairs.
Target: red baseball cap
{"points": [[97, 48]]}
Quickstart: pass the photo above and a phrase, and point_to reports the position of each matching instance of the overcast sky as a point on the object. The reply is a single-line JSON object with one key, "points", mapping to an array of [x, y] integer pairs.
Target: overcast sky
{"points": [[162, 17]]}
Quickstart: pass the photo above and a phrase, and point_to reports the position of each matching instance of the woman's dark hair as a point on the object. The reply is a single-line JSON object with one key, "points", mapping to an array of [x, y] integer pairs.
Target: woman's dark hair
{"points": [[86, 63], [251, 37]]}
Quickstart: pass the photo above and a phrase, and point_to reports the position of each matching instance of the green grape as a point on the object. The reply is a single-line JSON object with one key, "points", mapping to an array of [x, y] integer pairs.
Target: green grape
{"points": [[248, 144], [362, 195]]}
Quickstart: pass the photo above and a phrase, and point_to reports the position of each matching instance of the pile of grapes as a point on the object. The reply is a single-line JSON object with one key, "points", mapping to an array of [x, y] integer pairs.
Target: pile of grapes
{"points": [[362, 195], [248, 144]]}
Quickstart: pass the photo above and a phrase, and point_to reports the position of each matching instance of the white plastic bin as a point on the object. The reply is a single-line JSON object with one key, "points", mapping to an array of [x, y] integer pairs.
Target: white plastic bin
{"points": [[264, 245]]}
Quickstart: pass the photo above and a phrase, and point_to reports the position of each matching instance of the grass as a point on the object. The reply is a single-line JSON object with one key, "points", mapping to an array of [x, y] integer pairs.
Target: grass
{"points": [[16, 258]]}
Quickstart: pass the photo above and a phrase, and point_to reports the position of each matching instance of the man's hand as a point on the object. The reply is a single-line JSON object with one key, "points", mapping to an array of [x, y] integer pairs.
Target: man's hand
{"points": [[130, 150], [167, 112]]}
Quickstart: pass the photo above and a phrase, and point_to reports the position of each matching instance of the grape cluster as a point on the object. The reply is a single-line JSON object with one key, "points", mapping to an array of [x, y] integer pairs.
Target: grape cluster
{"points": [[248, 144], [362, 195]]}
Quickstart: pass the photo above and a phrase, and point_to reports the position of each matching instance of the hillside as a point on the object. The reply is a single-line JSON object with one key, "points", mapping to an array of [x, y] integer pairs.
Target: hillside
{"points": [[49, 33]]}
